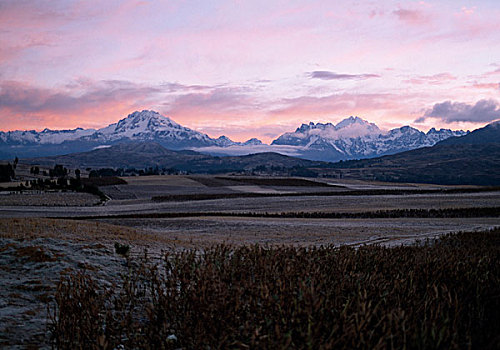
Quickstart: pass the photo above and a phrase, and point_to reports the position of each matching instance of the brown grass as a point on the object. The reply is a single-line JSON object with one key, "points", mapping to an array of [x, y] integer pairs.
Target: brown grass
{"points": [[35, 254], [434, 296], [77, 230]]}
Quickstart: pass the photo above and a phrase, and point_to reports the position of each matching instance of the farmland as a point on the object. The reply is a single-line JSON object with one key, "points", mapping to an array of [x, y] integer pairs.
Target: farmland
{"points": [[53, 235]]}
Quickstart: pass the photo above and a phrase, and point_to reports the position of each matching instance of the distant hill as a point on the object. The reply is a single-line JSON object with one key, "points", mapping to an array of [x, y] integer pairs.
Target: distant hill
{"points": [[489, 134], [473, 159], [152, 154]]}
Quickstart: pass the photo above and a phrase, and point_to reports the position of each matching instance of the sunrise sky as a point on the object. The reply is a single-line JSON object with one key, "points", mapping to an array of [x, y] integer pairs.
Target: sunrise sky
{"points": [[250, 68]]}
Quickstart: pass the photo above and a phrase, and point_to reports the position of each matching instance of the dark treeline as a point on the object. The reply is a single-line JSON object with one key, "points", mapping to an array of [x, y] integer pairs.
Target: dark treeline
{"points": [[276, 181], [107, 172], [441, 295], [476, 212], [59, 181], [104, 181]]}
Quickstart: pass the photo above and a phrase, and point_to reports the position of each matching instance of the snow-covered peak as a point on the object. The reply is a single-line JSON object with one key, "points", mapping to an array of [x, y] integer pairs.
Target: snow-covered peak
{"points": [[224, 141], [140, 122], [355, 121], [46, 136], [150, 125], [352, 127], [252, 142]]}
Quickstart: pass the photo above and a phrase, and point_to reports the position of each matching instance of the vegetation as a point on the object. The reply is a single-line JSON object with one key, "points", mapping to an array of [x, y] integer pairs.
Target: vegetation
{"points": [[7, 172], [441, 295], [59, 180], [275, 181], [476, 212], [108, 172], [122, 249], [104, 181]]}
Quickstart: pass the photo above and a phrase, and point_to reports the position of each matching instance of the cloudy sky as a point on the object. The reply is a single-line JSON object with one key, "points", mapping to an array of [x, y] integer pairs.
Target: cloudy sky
{"points": [[250, 68]]}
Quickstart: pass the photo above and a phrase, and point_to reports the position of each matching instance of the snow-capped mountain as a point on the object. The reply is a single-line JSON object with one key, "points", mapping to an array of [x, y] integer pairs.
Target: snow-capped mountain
{"points": [[151, 126], [357, 138], [137, 126], [252, 142], [46, 136], [351, 138]]}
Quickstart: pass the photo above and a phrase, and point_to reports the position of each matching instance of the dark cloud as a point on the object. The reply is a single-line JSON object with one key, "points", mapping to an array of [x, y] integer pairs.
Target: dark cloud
{"points": [[176, 87], [411, 16], [326, 75], [482, 111]]}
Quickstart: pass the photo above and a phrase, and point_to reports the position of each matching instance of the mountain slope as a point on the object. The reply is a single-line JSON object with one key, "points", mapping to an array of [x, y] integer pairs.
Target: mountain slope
{"points": [[152, 154], [465, 160], [489, 134]]}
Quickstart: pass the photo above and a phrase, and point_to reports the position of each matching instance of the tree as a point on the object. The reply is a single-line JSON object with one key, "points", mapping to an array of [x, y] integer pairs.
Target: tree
{"points": [[58, 171], [6, 172]]}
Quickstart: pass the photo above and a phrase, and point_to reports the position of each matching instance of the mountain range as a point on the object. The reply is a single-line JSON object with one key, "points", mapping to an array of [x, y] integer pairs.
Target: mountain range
{"points": [[355, 138], [352, 138], [473, 159]]}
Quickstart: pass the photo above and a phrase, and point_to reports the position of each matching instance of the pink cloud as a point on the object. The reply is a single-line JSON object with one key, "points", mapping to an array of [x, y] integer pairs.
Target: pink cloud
{"points": [[435, 79], [487, 86], [25, 106]]}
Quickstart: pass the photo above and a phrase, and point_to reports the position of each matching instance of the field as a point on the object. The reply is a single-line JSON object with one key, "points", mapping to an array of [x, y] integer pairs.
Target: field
{"points": [[44, 199], [47, 236]]}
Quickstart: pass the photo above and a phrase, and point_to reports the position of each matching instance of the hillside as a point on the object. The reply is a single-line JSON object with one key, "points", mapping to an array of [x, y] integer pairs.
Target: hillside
{"points": [[152, 154]]}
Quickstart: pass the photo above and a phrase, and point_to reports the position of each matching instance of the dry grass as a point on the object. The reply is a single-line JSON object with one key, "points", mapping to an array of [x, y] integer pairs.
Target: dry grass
{"points": [[76, 230], [436, 296], [35, 254]]}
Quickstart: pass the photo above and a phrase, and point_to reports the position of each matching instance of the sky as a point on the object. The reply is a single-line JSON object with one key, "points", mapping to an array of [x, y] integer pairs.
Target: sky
{"points": [[249, 68]]}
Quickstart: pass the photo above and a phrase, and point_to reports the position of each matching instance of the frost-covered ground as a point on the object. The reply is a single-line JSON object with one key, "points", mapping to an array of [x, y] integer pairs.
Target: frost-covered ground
{"points": [[206, 231], [35, 253]]}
